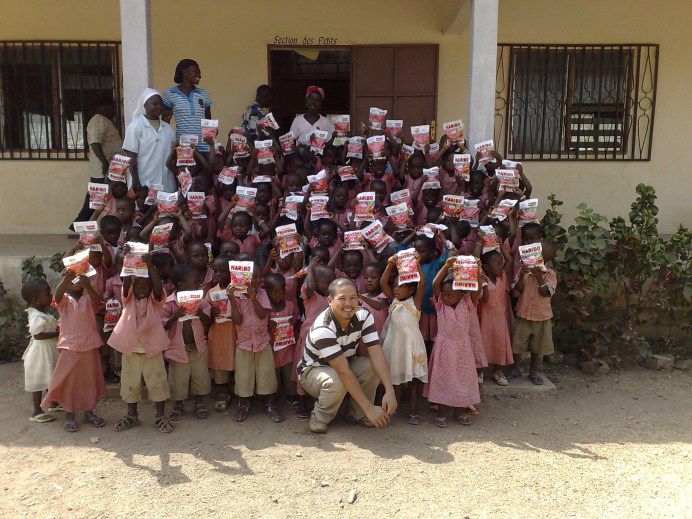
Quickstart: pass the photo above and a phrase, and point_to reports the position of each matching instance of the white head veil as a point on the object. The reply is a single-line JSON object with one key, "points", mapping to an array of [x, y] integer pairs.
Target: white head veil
{"points": [[148, 92]]}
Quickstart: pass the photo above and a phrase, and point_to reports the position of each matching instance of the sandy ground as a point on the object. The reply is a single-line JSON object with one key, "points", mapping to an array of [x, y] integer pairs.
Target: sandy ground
{"points": [[611, 447]]}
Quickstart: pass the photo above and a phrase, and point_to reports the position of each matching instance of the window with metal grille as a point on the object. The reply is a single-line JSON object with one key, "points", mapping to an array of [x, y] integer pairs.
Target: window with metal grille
{"points": [[48, 91], [575, 102]]}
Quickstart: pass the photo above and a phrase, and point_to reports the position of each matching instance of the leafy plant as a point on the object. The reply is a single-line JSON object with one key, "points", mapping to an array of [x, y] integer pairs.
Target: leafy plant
{"points": [[552, 230], [32, 269], [13, 339], [56, 264]]}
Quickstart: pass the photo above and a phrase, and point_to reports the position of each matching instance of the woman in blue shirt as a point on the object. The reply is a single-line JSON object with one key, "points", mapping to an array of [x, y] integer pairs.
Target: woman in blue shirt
{"points": [[189, 103]]}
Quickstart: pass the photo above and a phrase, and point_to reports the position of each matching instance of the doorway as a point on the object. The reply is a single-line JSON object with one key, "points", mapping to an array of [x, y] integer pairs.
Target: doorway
{"points": [[293, 70]]}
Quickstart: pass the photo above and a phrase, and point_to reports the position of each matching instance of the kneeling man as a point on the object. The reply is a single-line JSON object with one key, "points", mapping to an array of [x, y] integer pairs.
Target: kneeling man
{"points": [[329, 368]]}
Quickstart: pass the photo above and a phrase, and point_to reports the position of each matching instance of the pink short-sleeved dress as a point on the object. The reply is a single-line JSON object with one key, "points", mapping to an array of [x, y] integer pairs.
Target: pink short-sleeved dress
{"points": [[380, 317], [221, 341], [452, 379], [314, 306], [495, 323], [282, 356], [475, 332]]}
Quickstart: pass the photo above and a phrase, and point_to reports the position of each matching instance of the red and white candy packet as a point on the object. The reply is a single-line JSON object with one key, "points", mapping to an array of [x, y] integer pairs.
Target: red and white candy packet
{"points": [[268, 122], [228, 175], [454, 130], [195, 203], [376, 236], [88, 234], [470, 212], [407, 265], [376, 146], [78, 264], [318, 207], [167, 203], [395, 127], [465, 273], [532, 255], [241, 275], [507, 180], [112, 315], [288, 143], [319, 183], [342, 125], [133, 262], [246, 198], [210, 128], [354, 240], [97, 194], [160, 236], [265, 154], [117, 168], [218, 299], [185, 181], [421, 136], [151, 196], [317, 141], [239, 145], [462, 165], [288, 238], [490, 240], [283, 333], [403, 195], [290, 207], [184, 156], [452, 205], [398, 215], [502, 210], [188, 301], [346, 173], [376, 118], [528, 210], [483, 150], [355, 147], [364, 210]]}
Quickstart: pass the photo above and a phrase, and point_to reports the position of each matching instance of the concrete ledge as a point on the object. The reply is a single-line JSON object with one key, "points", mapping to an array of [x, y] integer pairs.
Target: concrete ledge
{"points": [[517, 387]]}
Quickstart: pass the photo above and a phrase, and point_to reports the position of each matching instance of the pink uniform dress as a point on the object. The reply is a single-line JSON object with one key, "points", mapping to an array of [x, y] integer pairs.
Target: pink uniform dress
{"points": [[314, 306], [177, 351], [283, 356], [221, 340], [475, 332], [114, 289], [291, 284], [448, 183], [140, 325], [77, 383], [380, 317], [452, 379], [495, 315]]}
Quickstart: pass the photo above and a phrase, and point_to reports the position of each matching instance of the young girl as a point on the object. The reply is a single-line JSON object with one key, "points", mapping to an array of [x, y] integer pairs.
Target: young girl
{"points": [[222, 338], [495, 312], [77, 383], [452, 369], [287, 267], [403, 343], [373, 299], [314, 293], [279, 305], [187, 355], [41, 354], [254, 360], [140, 337]]}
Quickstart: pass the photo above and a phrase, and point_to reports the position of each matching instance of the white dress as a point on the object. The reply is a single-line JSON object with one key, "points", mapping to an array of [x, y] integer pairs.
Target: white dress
{"points": [[41, 356], [403, 343]]}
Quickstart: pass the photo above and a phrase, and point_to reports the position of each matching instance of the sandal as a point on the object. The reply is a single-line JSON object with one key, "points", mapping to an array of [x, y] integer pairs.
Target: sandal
{"points": [[163, 424], [94, 421], [221, 404], [71, 426], [536, 379], [441, 421], [415, 419], [274, 414], [201, 412], [463, 419], [241, 413], [127, 422], [41, 418], [303, 414], [177, 413], [500, 378], [513, 373], [472, 410], [57, 409]]}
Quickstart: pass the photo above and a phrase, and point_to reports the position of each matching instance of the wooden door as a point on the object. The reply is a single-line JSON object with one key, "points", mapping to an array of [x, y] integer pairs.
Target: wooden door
{"points": [[401, 79]]}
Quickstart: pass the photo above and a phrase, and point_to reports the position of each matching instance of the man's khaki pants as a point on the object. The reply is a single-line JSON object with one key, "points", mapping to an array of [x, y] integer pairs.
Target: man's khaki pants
{"points": [[324, 384]]}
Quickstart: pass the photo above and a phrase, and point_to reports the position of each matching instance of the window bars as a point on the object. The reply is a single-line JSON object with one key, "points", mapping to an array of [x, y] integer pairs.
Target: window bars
{"points": [[48, 92], [575, 102]]}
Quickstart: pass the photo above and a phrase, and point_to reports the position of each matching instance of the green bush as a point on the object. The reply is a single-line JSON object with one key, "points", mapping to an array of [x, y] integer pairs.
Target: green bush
{"points": [[623, 290]]}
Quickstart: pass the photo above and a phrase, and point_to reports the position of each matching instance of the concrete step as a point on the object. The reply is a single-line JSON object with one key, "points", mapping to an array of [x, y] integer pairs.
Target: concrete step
{"points": [[517, 387], [15, 248]]}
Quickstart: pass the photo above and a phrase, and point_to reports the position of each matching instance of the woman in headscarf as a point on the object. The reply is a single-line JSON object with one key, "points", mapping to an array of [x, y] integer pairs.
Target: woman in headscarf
{"points": [[304, 124], [148, 141], [189, 103]]}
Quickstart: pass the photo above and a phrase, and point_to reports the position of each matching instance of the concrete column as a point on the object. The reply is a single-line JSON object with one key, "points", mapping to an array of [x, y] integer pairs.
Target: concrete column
{"points": [[135, 30], [481, 85]]}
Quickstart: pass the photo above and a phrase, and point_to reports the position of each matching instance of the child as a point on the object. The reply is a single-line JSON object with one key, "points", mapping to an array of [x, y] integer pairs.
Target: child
{"points": [[314, 293], [279, 305], [534, 327], [452, 369], [41, 354], [222, 338], [373, 299], [187, 355], [140, 337], [164, 263], [403, 343], [198, 258], [327, 235], [254, 359], [239, 232], [495, 311], [287, 267], [77, 383]]}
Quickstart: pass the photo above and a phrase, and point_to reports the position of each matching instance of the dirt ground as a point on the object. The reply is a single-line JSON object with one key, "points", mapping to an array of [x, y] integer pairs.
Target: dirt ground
{"points": [[617, 446]]}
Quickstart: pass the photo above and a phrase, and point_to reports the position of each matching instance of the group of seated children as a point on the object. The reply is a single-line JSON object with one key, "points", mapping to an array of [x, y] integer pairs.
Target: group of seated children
{"points": [[213, 289]]}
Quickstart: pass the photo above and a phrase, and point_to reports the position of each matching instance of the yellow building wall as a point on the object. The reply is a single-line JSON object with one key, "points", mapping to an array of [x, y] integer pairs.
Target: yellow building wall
{"points": [[229, 40]]}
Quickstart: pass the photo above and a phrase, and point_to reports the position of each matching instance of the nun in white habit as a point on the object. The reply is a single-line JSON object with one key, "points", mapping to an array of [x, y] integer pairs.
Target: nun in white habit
{"points": [[148, 141]]}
